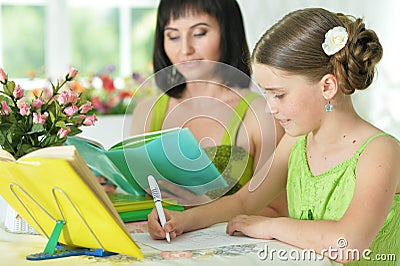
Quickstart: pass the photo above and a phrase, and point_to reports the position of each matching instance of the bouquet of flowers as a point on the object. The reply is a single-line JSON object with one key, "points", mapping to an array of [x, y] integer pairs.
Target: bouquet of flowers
{"points": [[45, 120], [113, 95]]}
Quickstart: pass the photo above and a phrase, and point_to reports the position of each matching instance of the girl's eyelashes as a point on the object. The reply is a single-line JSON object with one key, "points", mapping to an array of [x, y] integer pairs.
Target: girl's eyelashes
{"points": [[270, 94]]}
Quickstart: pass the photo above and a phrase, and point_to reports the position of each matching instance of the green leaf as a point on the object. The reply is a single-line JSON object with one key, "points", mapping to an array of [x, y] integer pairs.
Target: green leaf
{"points": [[61, 124], [2, 97], [2, 139], [10, 137], [74, 131], [36, 128], [25, 149], [45, 142], [50, 141], [76, 120], [9, 88], [52, 117]]}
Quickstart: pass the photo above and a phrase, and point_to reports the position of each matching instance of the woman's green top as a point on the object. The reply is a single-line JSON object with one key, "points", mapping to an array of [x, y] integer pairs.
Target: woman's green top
{"points": [[233, 162], [328, 195]]}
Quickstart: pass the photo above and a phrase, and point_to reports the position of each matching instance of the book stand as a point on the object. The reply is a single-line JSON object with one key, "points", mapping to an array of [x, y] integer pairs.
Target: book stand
{"points": [[53, 249]]}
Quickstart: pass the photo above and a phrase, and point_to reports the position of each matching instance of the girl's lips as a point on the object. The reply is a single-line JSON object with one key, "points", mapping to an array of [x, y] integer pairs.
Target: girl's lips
{"points": [[284, 122]]}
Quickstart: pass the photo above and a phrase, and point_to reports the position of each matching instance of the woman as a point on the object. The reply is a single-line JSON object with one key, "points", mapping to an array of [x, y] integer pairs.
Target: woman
{"points": [[201, 62]]}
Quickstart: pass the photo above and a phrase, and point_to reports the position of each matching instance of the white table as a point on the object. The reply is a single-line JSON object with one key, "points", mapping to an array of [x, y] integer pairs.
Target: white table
{"points": [[14, 248]]}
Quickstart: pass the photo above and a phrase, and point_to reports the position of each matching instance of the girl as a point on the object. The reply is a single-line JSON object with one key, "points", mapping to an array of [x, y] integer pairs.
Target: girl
{"points": [[341, 173]]}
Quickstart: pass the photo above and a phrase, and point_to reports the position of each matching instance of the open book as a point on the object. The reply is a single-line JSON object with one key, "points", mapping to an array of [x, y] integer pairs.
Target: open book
{"points": [[173, 154], [55, 184]]}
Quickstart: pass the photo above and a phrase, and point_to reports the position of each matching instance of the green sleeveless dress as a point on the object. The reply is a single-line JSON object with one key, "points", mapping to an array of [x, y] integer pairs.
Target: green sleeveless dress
{"points": [[233, 162], [327, 196]]}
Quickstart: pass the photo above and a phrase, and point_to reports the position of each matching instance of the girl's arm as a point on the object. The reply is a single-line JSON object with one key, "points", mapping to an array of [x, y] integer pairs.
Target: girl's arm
{"points": [[377, 180], [265, 133], [271, 181], [263, 130]]}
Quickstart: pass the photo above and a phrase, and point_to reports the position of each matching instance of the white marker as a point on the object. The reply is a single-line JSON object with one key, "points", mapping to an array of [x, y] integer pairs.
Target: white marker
{"points": [[155, 192]]}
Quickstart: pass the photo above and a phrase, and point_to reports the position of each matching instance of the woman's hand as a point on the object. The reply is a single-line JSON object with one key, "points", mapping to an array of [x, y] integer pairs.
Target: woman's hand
{"points": [[182, 195], [174, 224], [108, 187], [252, 226]]}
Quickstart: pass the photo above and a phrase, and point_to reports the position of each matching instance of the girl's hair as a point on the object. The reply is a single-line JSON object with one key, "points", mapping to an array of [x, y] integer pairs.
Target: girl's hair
{"points": [[294, 44], [234, 50]]}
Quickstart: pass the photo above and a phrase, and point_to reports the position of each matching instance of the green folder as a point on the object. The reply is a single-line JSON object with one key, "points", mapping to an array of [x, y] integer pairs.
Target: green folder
{"points": [[173, 154], [141, 215]]}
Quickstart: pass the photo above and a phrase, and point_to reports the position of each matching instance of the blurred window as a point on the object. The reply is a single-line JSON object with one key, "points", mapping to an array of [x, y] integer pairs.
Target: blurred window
{"points": [[116, 33]]}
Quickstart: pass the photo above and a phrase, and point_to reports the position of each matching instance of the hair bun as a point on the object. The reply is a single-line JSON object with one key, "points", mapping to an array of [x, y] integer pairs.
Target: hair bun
{"points": [[363, 52]]}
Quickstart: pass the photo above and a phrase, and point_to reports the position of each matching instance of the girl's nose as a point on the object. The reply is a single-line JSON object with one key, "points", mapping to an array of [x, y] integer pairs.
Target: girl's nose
{"points": [[270, 109]]}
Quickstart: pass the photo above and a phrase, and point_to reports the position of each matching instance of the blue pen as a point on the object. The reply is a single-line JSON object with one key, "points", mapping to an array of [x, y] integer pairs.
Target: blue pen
{"points": [[155, 192]]}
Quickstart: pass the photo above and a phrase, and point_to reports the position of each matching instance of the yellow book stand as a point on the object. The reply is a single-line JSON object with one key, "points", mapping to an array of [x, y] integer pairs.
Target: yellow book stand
{"points": [[57, 194]]}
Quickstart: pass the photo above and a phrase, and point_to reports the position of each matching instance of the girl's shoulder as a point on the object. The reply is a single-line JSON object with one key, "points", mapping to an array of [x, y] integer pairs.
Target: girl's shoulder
{"points": [[380, 154], [379, 142], [385, 144], [379, 148]]}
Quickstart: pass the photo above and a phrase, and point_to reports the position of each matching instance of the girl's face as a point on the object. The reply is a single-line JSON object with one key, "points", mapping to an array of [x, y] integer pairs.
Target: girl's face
{"points": [[295, 102], [191, 38]]}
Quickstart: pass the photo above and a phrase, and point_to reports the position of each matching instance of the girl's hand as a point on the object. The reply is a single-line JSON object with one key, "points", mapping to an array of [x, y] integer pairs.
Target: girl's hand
{"points": [[174, 224], [252, 226]]}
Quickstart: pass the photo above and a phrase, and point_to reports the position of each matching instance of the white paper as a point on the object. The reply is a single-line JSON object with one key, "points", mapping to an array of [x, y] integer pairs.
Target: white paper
{"points": [[208, 238]]}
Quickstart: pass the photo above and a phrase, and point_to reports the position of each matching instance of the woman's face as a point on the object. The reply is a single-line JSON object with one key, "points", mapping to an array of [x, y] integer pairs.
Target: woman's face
{"points": [[295, 102], [192, 38]]}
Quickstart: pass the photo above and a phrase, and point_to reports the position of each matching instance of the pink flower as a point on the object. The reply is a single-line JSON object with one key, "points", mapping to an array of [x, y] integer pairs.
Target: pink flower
{"points": [[73, 97], [112, 101], [72, 74], [63, 133], [37, 103], [71, 110], [67, 97], [18, 92], [96, 101], [86, 107], [24, 109], [81, 118], [62, 98], [5, 109], [40, 119], [173, 255], [3, 76], [90, 120]]}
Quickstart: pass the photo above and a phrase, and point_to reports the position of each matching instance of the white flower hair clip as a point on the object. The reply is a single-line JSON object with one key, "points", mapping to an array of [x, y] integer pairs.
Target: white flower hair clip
{"points": [[335, 40]]}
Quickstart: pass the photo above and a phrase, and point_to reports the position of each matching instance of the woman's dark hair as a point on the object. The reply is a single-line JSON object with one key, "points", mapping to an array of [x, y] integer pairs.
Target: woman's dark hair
{"points": [[234, 50], [294, 44]]}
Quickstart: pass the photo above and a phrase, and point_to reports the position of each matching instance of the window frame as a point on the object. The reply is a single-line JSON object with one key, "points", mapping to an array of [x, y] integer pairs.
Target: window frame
{"points": [[58, 53]]}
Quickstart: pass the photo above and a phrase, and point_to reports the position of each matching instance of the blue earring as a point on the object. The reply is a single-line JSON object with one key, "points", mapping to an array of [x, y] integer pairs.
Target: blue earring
{"points": [[328, 107]]}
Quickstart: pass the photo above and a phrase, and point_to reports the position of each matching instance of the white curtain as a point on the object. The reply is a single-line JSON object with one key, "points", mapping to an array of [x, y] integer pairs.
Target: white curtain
{"points": [[379, 102]]}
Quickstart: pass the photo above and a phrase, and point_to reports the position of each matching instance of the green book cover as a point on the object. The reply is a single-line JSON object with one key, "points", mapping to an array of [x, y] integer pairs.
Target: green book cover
{"points": [[141, 215], [173, 154], [129, 202]]}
